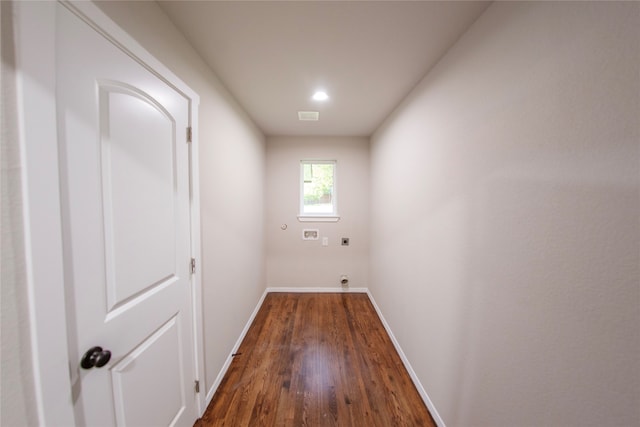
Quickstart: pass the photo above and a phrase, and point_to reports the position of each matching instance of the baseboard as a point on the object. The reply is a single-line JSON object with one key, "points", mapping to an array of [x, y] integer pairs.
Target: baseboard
{"points": [[227, 362], [407, 365], [335, 289]]}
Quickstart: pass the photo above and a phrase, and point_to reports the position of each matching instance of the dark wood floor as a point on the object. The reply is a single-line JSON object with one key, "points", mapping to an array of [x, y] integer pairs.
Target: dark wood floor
{"points": [[316, 360]]}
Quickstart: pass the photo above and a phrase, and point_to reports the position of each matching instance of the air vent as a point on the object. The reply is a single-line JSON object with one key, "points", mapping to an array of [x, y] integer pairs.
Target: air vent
{"points": [[308, 115]]}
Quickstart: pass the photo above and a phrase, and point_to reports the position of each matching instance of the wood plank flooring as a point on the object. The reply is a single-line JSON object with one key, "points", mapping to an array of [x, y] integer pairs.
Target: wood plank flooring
{"points": [[316, 360]]}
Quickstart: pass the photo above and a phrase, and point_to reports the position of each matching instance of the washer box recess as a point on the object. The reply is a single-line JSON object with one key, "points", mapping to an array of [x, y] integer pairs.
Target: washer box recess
{"points": [[310, 234]]}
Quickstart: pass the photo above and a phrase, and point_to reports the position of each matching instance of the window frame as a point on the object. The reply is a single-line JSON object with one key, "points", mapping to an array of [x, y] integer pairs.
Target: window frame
{"points": [[314, 216]]}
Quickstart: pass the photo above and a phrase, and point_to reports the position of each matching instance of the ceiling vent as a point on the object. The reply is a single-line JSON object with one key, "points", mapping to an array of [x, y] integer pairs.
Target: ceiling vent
{"points": [[308, 115]]}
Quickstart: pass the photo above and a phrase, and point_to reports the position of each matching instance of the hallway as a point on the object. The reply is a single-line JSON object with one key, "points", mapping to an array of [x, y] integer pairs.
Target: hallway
{"points": [[486, 180]]}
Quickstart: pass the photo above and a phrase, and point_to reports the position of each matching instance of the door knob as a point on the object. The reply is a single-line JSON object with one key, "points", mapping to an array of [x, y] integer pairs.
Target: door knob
{"points": [[95, 356]]}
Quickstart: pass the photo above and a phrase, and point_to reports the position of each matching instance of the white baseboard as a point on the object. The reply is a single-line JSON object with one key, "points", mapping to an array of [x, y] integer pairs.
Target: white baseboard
{"points": [[403, 357], [227, 362], [407, 365], [335, 289]]}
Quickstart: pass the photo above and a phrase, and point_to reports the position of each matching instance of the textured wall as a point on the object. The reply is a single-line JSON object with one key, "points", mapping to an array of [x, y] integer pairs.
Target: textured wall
{"points": [[292, 261], [505, 219], [17, 387], [232, 173]]}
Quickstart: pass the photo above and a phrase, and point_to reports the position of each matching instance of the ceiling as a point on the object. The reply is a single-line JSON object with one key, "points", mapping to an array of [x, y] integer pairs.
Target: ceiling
{"points": [[367, 55]]}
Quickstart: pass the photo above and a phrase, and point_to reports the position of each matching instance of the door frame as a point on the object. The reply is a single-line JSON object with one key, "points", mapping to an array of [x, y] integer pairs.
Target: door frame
{"points": [[35, 29]]}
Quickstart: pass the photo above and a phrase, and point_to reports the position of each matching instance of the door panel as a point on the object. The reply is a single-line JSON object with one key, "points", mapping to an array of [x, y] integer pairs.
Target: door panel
{"points": [[124, 163], [131, 373], [138, 193]]}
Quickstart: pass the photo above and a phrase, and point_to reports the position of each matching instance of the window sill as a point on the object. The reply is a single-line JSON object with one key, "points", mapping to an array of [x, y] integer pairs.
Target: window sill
{"points": [[310, 218]]}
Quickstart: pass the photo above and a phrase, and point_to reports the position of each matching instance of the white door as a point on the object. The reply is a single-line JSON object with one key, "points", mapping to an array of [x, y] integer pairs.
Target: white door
{"points": [[124, 162]]}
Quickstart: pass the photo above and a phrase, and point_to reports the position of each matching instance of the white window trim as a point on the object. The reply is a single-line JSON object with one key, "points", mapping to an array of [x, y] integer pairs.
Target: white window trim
{"points": [[315, 217], [325, 218]]}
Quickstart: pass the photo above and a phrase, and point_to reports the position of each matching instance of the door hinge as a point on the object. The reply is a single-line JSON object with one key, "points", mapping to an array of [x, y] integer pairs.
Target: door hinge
{"points": [[189, 134], [197, 386], [193, 266]]}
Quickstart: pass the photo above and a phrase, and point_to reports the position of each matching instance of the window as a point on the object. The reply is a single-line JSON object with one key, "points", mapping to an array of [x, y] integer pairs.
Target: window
{"points": [[318, 190]]}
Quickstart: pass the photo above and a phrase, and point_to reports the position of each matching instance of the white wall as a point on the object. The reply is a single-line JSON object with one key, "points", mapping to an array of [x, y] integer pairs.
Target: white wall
{"points": [[232, 170], [292, 261], [17, 403], [505, 219]]}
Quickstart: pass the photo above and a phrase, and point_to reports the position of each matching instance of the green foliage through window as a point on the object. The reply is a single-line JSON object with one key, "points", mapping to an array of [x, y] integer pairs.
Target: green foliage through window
{"points": [[318, 187]]}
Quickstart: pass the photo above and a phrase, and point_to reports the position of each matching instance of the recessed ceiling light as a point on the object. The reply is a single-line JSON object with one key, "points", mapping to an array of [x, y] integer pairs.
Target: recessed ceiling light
{"points": [[320, 96]]}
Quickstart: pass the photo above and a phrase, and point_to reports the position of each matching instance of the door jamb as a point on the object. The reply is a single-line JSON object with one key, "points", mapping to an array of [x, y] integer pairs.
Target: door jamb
{"points": [[36, 85]]}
